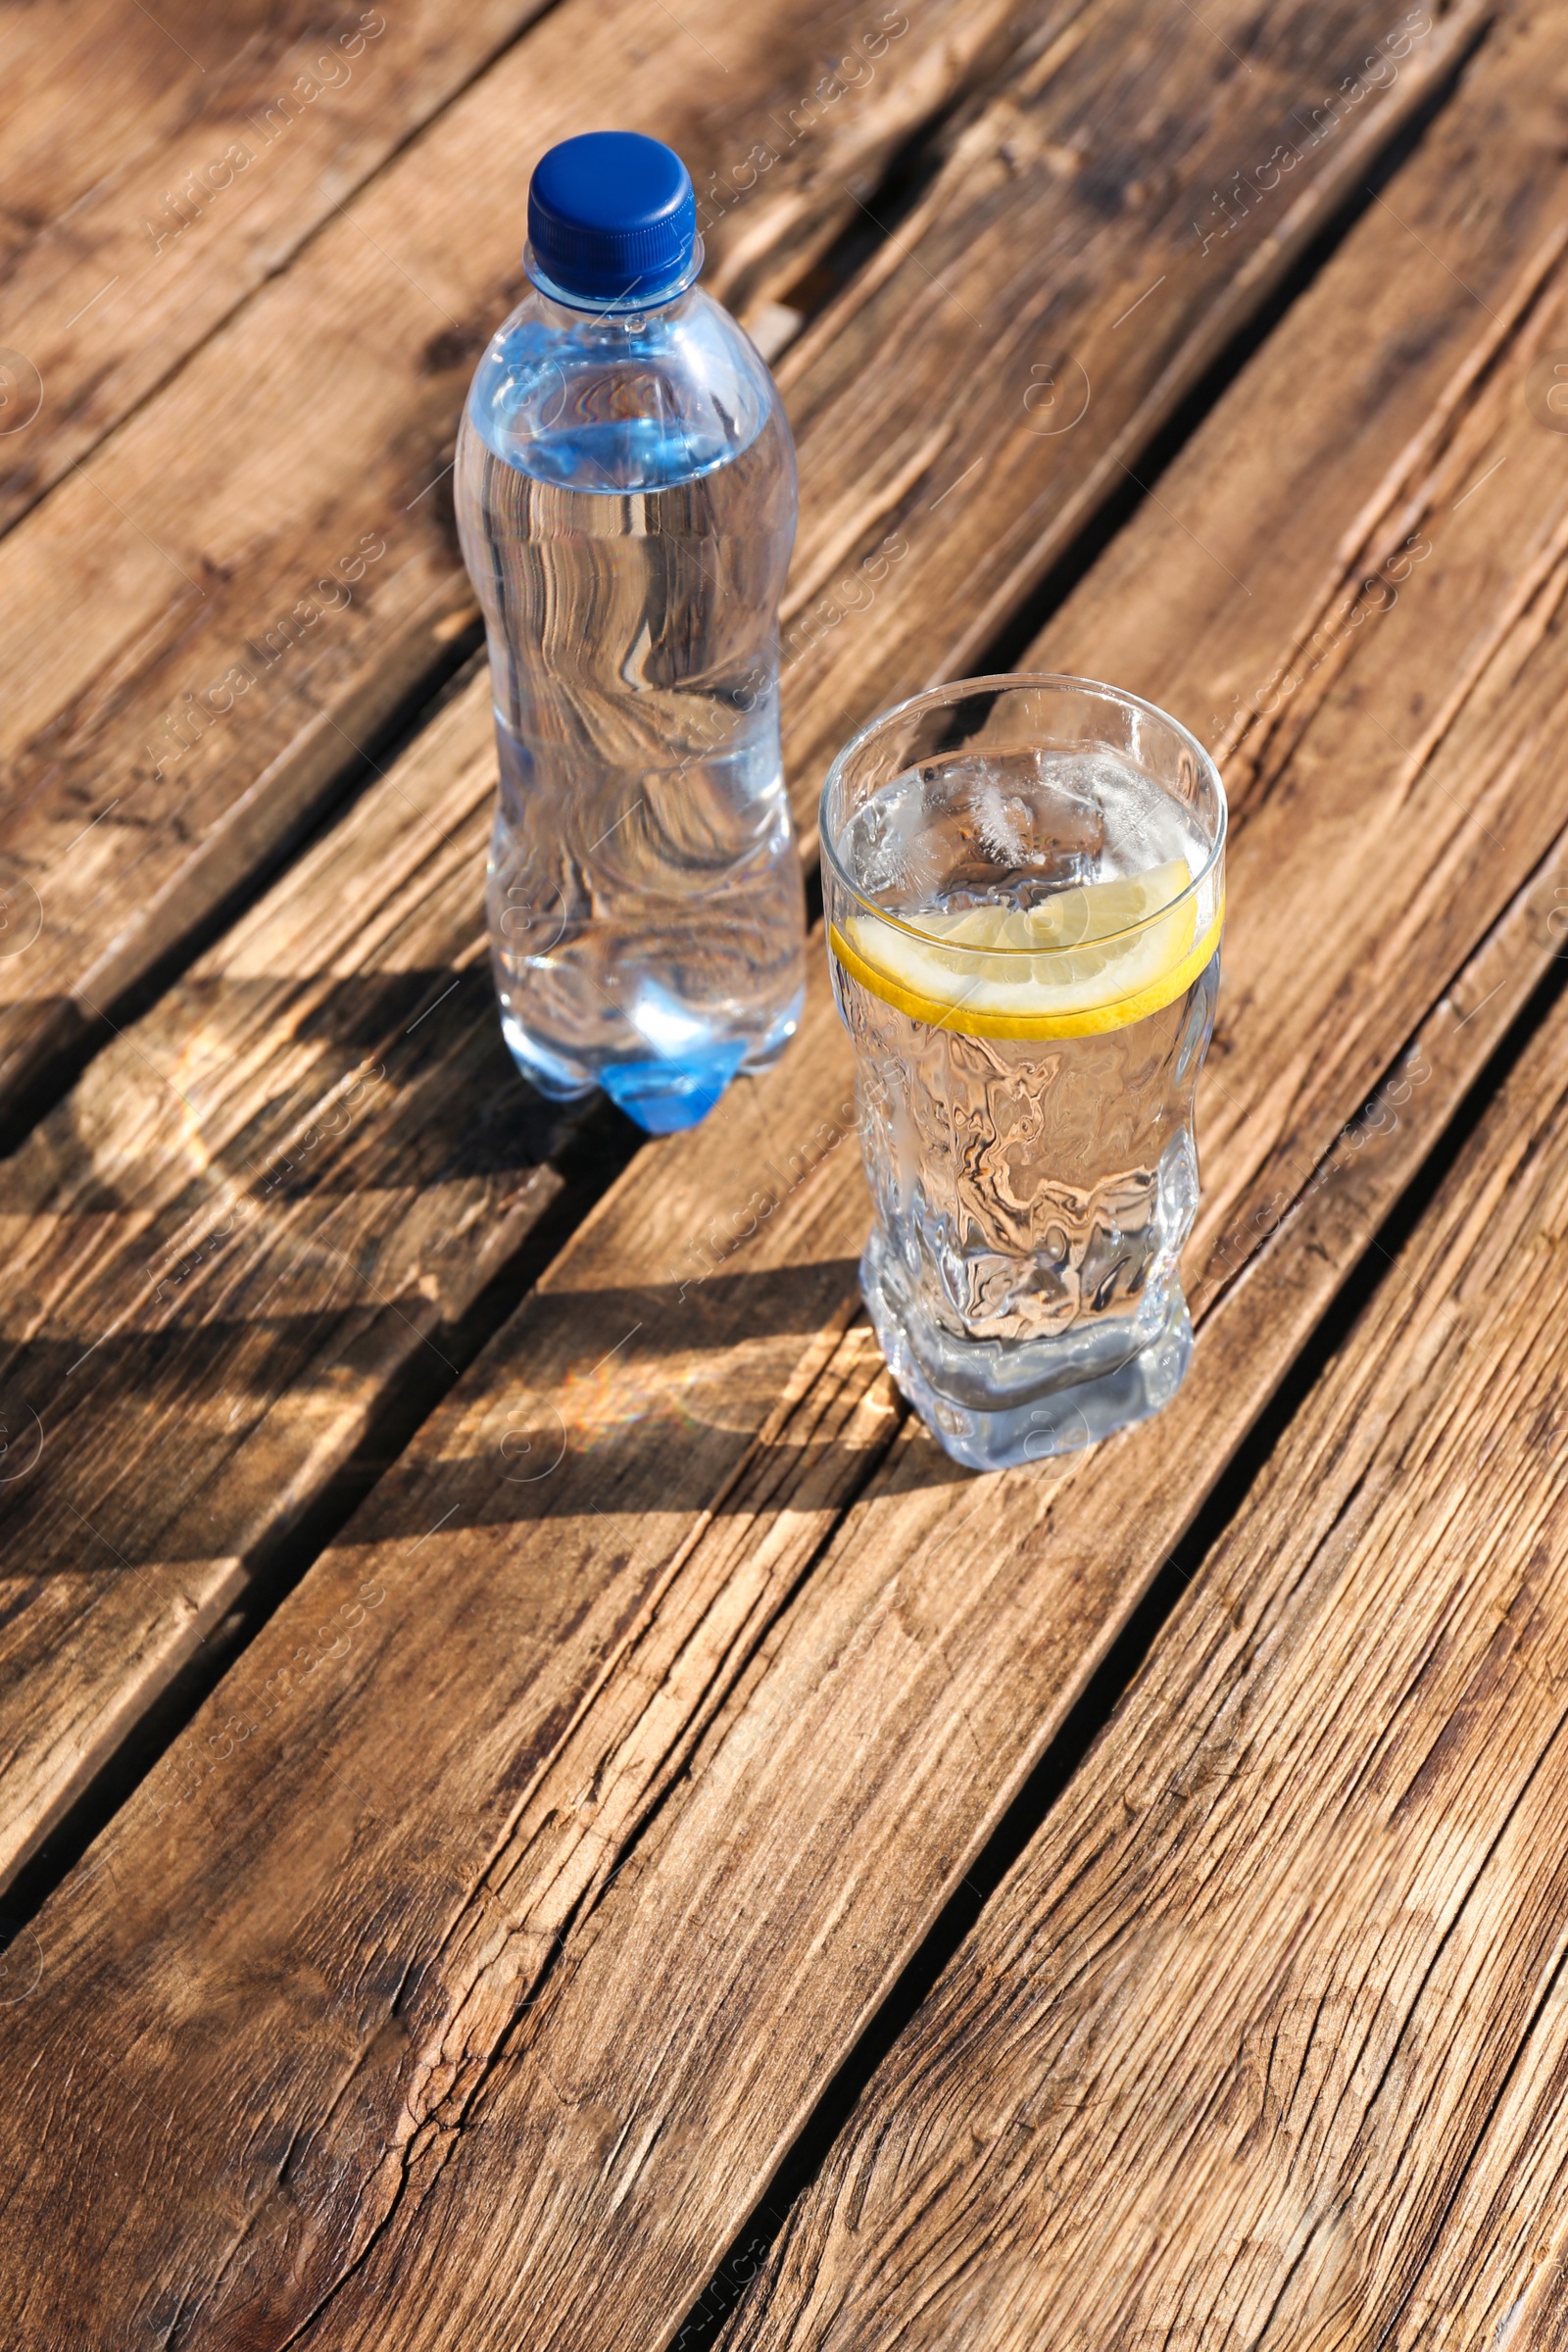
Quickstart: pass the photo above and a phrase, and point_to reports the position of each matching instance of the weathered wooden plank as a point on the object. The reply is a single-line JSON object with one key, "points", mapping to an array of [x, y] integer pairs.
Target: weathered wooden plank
{"points": [[190, 698], [269, 1202], [82, 1652], [1264, 2038], [1099, 195], [221, 140], [520, 2092]]}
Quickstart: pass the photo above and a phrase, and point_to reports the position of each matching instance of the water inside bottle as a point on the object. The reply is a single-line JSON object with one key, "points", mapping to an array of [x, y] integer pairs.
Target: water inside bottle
{"points": [[645, 897]]}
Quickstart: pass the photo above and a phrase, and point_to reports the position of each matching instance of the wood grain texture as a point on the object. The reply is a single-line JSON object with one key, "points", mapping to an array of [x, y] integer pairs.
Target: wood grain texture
{"points": [[1097, 235], [472, 1883], [1265, 2040], [106, 1599], [257, 1214], [273, 566], [228, 1373], [159, 168]]}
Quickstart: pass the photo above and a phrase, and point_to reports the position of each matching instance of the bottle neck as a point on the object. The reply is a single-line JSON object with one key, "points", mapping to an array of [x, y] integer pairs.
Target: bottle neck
{"points": [[573, 307], [609, 326]]}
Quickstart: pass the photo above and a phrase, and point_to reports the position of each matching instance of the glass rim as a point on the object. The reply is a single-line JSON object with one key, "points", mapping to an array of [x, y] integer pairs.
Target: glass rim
{"points": [[934, 698]]}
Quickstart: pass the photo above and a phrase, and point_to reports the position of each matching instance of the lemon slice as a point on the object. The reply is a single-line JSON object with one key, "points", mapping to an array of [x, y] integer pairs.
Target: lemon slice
{"points": [[1082, 963]]}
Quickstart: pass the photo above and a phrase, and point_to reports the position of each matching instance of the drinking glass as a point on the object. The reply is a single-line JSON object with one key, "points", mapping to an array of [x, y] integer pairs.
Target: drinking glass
{"points": [[1023, 879]]}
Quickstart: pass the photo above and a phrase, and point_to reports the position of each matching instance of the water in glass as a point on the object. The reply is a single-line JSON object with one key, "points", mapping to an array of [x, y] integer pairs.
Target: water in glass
{"points": [[1025, 951]]}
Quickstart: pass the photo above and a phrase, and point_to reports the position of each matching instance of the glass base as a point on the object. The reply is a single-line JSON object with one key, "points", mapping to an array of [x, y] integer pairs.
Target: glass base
{"points": [[1003, 1404]]}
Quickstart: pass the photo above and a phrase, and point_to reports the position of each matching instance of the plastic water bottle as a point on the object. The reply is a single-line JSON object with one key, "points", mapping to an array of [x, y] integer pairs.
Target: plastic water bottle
{"points": [[626, 500]]}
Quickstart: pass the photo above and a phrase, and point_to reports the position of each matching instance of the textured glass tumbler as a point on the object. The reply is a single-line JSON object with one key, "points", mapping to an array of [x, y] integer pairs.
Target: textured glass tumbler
{"points": [[1023, 880]]}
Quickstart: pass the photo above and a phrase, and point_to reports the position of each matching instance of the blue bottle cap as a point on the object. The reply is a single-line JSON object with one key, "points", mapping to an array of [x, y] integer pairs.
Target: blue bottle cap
{"points": [[612, 222]]}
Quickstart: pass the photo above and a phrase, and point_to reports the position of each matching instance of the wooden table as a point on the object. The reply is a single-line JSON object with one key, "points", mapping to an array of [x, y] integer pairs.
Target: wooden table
{"points": [[538, 1809]]}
